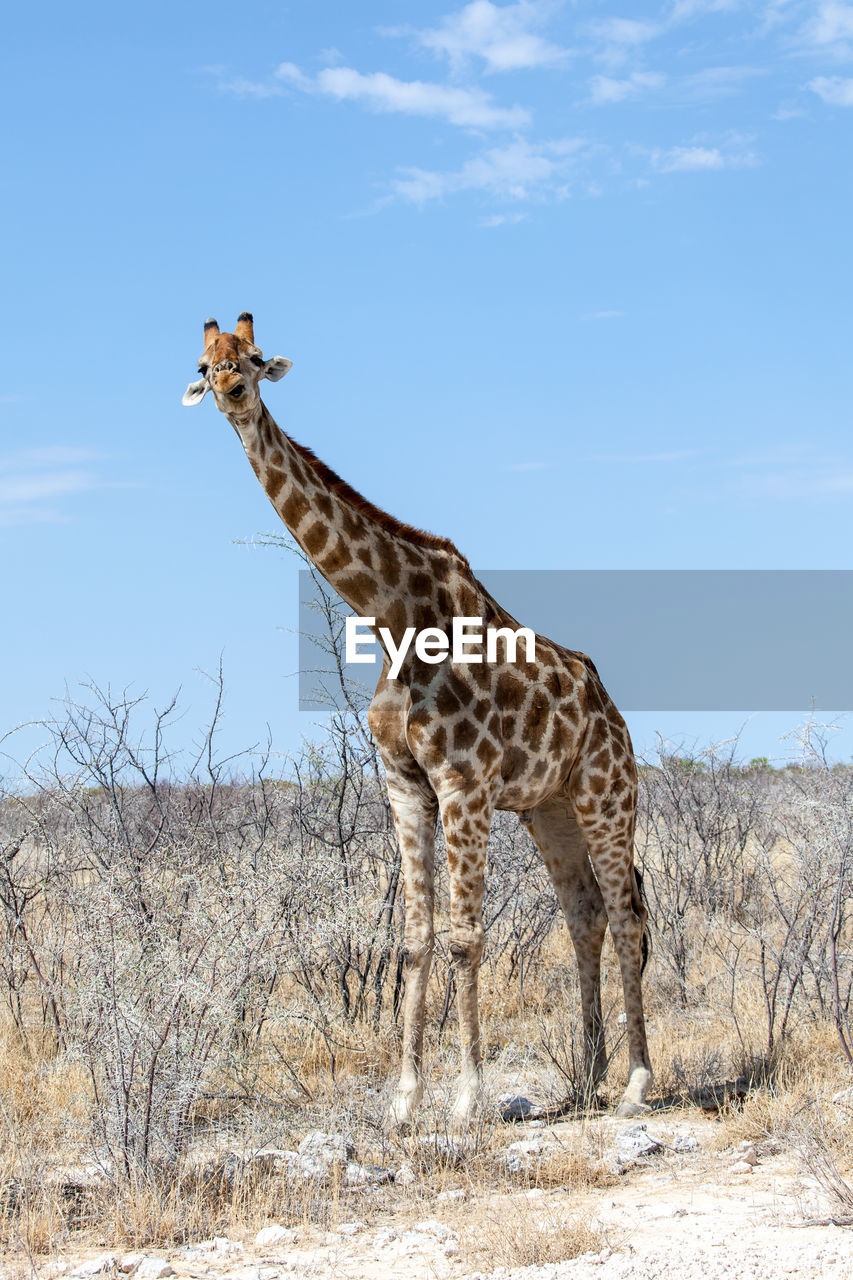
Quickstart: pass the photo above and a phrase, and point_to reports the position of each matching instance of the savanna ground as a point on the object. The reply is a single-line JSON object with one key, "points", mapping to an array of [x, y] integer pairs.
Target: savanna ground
{"points": [[200, 966]]}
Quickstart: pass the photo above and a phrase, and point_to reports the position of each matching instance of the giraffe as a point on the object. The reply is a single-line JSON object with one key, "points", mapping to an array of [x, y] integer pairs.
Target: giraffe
{"points": [[459, 740]]}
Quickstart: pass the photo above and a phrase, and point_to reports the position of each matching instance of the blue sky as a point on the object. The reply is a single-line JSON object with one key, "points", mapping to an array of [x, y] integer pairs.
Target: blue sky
{"points": [[567, 282]]}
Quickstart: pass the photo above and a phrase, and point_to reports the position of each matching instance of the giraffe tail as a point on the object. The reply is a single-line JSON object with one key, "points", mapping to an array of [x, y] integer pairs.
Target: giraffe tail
{"points": [[641, 908]]}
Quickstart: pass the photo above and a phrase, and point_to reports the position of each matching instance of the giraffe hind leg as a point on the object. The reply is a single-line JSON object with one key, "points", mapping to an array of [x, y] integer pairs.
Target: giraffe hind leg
{"points": [[604, 803], [556, 833]]}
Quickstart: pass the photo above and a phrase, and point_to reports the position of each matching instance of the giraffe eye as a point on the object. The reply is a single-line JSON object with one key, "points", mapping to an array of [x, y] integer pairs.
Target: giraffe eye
{"points": [[202, 368], [257, 361]]}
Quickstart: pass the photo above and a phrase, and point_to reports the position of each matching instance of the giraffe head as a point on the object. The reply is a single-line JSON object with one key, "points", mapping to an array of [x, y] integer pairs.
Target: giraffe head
{"points": [[231, 366]]}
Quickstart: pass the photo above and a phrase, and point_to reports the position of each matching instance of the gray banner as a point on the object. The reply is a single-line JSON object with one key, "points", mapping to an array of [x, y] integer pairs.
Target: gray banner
{"points": [[662, 640]]}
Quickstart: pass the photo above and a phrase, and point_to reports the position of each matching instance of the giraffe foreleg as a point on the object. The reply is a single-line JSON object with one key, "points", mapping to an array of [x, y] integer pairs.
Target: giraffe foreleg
{"points": [[466, 819]]}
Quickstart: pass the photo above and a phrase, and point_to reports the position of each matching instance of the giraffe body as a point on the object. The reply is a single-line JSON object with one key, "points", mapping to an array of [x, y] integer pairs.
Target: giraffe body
{"points": [[459, 740]]}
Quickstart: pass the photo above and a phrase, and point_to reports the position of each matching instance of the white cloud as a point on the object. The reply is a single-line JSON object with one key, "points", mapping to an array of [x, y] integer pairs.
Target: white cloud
{"points": [[31, 478], [805, 484], [625, 31], [792, 469], [831, 25], [788, 111], [684, 9], [244, 88], [503, 219], [619, 38], [700, 86], [471, 108], [603, 90], [502, 35], [697, 158], [679, 158], [17, 489], [718, 82], [677, 455], [45, 456], [518, 171], [835, 90]]}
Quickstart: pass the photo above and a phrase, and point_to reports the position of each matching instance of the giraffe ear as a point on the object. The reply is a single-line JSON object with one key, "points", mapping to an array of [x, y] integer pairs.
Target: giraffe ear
{"points": [[276, 368], [195, 392]]}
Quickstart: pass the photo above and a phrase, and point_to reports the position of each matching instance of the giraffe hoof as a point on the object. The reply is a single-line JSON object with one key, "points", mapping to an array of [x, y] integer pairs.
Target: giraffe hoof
{"points": [[627, 1108], [401, 1111]]}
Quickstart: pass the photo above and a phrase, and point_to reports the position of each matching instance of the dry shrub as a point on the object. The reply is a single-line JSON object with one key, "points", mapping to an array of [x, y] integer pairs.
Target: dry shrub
{"points": [[195, 959], [576, 1166], [527, 1233], [820, 1157]]}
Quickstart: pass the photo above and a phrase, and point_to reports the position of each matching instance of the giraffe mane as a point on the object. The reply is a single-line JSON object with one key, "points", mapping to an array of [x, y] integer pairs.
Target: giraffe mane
{"points": [[409, 532]]}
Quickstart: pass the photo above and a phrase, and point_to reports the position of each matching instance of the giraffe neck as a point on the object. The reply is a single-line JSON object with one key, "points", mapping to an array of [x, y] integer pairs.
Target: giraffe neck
{"points": [[380, 567]]}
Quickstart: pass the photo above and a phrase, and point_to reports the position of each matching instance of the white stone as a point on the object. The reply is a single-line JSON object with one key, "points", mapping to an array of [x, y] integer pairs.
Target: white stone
{"points": [[452, 1197], [405, 1175], [351, 1228], [634, 1142], [94, 1267], [326, 1148], [359, 1175], [221, 1246], [432, 1227], [153, 1269], [128, 1264], [742, 1166], [522, 1154], [415, 1242], [273, 1234]]}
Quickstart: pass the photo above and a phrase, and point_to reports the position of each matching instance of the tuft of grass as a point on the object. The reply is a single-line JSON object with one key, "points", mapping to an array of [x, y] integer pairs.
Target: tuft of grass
{"points": [[528, 1234]]}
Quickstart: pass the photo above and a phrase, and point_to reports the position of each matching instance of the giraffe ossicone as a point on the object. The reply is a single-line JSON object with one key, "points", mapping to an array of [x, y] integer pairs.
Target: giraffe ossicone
{"points": [[536, 735]]}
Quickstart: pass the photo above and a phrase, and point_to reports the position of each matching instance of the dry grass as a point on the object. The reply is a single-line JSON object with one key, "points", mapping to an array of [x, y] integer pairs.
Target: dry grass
{"points": [[527, 1233], [47, 1107]]}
